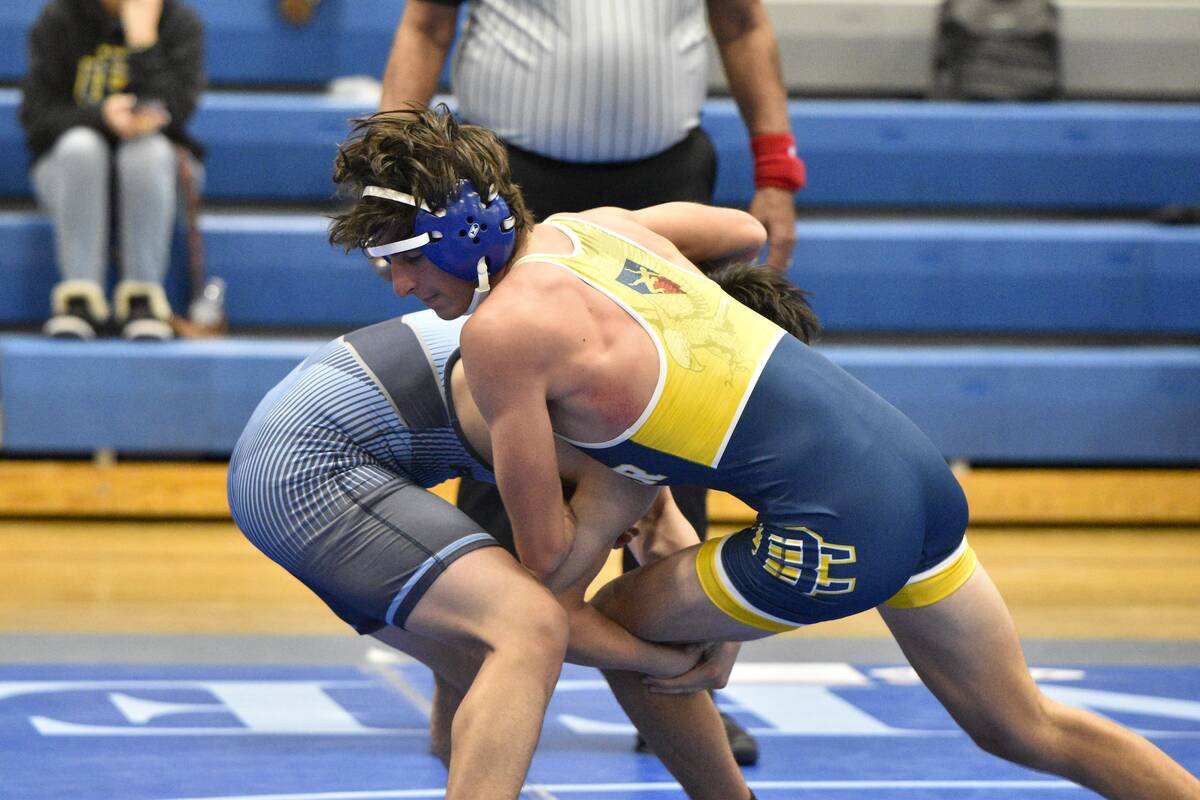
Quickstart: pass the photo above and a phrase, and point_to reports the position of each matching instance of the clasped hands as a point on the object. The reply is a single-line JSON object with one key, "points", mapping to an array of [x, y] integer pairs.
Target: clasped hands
{"points": [[129, 119], [713, 662]]}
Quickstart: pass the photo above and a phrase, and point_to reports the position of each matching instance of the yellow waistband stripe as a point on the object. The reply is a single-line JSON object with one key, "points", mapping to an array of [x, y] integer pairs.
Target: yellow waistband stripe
{"points": [[939, 586], [710, 580]]}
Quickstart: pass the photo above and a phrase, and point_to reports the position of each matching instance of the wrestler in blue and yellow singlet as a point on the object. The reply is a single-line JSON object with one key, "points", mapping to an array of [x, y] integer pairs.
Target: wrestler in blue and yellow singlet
{"points": [[855, 505]]}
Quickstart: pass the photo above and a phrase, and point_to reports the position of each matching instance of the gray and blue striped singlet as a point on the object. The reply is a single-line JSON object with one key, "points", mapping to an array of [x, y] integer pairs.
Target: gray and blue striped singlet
{"points": [[328, 477]]}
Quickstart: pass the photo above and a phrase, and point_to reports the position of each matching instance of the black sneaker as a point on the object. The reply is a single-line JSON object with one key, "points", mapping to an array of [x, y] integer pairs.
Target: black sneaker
{"points": [[741, 742], [143, 311], [76, 322], [80, 310], [143, 325]]}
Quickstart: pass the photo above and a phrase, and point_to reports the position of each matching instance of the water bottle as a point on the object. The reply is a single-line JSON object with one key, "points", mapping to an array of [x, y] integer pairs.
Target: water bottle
{"points": [[208, 309]]}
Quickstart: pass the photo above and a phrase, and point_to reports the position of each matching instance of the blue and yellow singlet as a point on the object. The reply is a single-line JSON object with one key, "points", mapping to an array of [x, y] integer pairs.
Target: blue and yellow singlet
{"points": [[710, 349], [856, 507]]}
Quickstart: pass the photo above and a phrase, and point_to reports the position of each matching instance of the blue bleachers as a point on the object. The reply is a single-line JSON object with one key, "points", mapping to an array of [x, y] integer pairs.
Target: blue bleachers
{"points": [[932, 276], [1077, 156], [1126, 280], [250, 43], [1027, 404]]}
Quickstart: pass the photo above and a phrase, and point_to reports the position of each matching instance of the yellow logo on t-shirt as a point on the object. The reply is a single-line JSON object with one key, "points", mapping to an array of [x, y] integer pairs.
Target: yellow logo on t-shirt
{"points": [[103, 73]]}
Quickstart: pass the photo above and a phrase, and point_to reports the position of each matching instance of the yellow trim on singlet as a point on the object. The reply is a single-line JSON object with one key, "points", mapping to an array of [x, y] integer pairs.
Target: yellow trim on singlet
{"points": [[942, 581], [711, 348], [708, 571]]}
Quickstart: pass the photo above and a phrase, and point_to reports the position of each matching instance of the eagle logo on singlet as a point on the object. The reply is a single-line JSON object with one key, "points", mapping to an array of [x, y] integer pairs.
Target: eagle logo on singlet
{"points": [[688, 323], [644, 280]]}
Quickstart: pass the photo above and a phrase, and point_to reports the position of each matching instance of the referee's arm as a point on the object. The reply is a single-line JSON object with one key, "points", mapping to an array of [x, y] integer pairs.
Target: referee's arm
{"points": [[419, 48], [750, 54]]}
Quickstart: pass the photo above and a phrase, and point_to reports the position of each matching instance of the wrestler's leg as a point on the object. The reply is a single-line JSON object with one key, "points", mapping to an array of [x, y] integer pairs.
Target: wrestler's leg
{"points": [[487, 605], [966, 650], [701, 761], [664, 602], [447, 697], [453, 671]]}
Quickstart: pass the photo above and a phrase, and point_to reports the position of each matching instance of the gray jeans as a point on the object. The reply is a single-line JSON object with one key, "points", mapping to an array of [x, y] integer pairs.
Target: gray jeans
{"points": [[72, 183]]}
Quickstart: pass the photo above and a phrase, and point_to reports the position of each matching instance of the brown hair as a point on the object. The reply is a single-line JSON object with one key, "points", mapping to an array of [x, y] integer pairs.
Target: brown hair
{"points": [[421, 151], [769, 293]]}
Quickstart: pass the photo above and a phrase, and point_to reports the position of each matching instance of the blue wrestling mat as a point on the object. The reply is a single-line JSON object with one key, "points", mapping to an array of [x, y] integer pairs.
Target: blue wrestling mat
{"points": [[850, 732]]}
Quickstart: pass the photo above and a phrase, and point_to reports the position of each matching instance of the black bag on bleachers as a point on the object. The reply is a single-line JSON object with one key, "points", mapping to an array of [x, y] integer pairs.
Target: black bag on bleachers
{"points": [[996, 50]]}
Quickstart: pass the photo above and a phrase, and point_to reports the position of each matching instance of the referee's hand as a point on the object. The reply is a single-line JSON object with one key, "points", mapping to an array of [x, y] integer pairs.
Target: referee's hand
{"points": [[776, 210]]}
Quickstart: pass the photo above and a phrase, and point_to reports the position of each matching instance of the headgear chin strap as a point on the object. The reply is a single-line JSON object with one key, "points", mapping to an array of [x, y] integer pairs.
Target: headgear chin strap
{"points": [[470, 238], [482, 289]]}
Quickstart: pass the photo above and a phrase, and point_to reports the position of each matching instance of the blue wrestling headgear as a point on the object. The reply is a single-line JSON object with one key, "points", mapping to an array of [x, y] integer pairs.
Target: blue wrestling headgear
{"points": [[470, 238]]}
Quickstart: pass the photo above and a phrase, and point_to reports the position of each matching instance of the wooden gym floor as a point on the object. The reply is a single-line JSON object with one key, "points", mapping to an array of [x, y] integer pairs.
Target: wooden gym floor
{"points": [[148, 548]]}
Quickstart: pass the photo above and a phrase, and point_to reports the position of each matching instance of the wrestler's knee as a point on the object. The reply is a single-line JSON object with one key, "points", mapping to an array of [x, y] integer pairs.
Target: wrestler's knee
{"points": [[540, 629], [1028, 737]]}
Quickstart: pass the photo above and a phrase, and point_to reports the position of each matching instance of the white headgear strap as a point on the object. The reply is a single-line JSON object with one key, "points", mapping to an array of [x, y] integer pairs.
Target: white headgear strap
{"points": [[401, 245], [482, 290]]}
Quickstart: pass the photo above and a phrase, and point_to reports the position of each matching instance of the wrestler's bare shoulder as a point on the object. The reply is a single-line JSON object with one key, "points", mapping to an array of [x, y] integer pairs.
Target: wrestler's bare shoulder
{"points": [[534, 309]]}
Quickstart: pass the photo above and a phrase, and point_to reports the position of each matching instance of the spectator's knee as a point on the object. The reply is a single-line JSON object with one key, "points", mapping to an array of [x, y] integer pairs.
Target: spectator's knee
{"points": [[152, 153], [81, 148]]}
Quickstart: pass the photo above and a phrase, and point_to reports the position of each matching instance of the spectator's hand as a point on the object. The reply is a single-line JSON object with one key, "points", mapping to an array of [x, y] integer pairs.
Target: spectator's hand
{"points": [[128, 120], [711, 672], [117, 112], [140, 19], [150, 117], [776, 210]]}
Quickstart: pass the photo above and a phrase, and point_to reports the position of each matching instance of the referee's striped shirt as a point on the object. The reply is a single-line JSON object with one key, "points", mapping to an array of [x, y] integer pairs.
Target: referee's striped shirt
{"points": [[583, 80]]}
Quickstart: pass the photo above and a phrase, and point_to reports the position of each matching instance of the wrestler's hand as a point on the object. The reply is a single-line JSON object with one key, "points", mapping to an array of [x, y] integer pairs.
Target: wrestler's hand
{"points": [[671, 660], [663, 530], [711, 672], [627, 537]]}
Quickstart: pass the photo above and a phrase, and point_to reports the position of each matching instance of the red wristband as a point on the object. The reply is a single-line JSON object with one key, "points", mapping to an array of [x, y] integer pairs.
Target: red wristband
{"points": [[776, 163]]}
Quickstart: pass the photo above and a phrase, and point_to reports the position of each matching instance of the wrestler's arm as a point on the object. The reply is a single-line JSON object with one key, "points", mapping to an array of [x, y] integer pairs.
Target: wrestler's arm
{"points": [[595, 639], [603, 506], [661, 531], [701, 233], [507, 367]]}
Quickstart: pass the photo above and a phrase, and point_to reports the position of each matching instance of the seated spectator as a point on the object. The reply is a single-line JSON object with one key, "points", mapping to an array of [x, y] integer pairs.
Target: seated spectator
{"points": [[111, 84]]}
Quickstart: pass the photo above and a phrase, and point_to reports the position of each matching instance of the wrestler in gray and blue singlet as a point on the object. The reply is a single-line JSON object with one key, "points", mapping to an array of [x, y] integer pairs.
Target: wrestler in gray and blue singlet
{"points": [[328, 479]]}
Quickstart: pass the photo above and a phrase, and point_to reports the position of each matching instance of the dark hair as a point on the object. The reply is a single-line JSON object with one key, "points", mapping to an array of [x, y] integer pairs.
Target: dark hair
{"points": [[424, 152], [769, 293]]}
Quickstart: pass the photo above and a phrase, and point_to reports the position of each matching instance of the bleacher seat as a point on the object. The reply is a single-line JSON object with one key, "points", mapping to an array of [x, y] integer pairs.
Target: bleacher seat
{"points": [[983, 404], [899, 275], [1079, 156]]}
